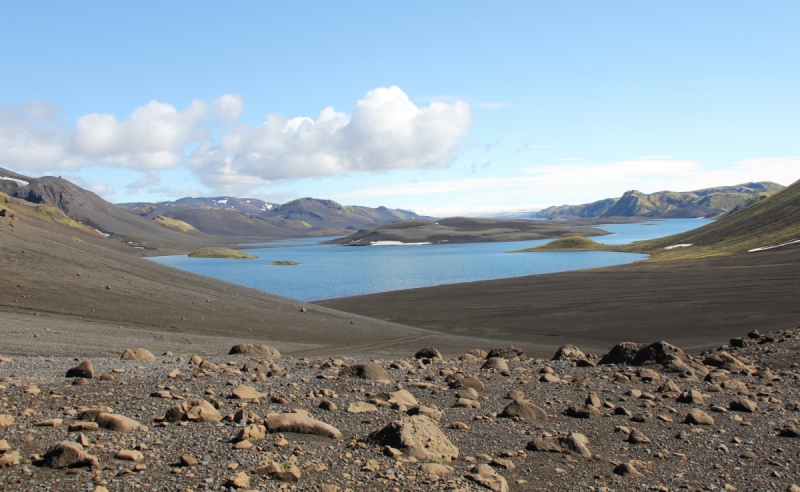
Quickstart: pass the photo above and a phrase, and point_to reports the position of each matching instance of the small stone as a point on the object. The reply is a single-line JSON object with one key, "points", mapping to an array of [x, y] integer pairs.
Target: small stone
{"points": [[129, 455], [188, 460], [627, 470], [83, 370], [698, 417], [238, 481]]}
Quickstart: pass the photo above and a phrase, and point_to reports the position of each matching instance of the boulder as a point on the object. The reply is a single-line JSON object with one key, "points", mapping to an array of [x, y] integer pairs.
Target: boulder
{"points": [[83, 370], [139, 354], [418, 437], [403, 397], [129, 455], [743, 405], [6, 420], [436, 469], [367, 370], [427, 353], [497, 363], [622, 353], [568, 352], [361, 407], [69, 455], [244, 392], [252, 433], [584, 412], [693, 397], [485, 476], [524, 410], [10, 459], [118, 423], [255, 350], [238, 481], [195, 411], [574, 443], [300, 424], [698, 417], [90, 414], [509, 352], [627, 470], [459, 382]]}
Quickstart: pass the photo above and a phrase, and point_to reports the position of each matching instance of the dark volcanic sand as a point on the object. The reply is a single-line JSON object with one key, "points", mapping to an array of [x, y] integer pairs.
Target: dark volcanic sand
{"points": [[691, 304]]}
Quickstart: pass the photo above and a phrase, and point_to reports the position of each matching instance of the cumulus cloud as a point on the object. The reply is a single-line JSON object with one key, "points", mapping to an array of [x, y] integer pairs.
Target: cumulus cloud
{"points": [[32, 137], [385, 131], [150, 179], [98, 187]]}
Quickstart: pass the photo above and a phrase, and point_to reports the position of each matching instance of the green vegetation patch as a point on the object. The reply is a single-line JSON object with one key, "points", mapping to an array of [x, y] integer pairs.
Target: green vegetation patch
{"points": [[572, 243], [174, 224], [220, 253], [284, 262]]}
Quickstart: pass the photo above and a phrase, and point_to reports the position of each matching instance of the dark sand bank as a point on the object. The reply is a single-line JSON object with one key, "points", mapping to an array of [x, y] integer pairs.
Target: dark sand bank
{"points": [[692, 304], [96, 300]]}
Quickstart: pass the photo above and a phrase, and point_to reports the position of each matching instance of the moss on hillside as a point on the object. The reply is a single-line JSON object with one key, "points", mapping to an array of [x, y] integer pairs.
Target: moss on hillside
{"points": [[174, 224], [221, 253], [572, 243]]}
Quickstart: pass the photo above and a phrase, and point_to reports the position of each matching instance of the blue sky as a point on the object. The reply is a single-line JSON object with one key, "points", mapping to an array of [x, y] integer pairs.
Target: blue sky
{"points": [[442, 107]]}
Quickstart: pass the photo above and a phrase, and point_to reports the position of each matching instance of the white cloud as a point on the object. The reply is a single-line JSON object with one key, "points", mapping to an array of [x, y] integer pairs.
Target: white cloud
{"points": [[385, 131], [102, 189], [228, 107], [150, 179], [32, 138]]}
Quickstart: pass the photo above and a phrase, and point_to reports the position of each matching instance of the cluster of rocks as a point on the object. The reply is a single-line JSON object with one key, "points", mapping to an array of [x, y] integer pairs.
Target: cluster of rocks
{"points": [[643, 416]]}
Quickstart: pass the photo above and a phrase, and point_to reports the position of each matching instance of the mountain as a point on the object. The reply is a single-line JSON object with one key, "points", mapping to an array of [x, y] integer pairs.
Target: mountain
{"points": [[709, 203], [230, 216], [88, 209]]}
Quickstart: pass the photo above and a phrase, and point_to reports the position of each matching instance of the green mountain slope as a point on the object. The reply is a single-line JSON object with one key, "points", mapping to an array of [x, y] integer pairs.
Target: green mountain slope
{"points": [[709, 203]]}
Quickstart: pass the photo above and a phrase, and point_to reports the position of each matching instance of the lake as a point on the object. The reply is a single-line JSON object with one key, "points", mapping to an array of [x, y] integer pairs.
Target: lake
{"points": [[330, 271]]}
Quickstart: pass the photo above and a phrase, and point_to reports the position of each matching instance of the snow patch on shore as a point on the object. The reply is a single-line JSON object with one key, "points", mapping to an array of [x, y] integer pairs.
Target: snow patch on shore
{"points": [[679, 246], [18, 181], [396, 243], [766, 248]]}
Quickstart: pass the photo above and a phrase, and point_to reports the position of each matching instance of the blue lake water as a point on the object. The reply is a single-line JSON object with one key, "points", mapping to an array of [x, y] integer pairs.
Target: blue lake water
{"points": [[330, 271]]}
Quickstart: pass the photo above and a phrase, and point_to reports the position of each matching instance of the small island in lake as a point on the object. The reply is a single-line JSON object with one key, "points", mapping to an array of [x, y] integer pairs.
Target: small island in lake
{"points": [[284, 262], [221, 253]]}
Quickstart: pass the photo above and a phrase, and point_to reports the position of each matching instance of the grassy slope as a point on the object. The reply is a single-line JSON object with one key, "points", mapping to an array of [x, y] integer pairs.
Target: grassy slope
{"points": [[572, 243], [44, 212], [174, 224], [770, 221], [221, 253]]}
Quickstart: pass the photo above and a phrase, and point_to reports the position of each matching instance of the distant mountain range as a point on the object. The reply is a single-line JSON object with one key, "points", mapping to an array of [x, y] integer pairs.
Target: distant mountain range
{"points": [[252, 217], [189, 223], [711, 203]]}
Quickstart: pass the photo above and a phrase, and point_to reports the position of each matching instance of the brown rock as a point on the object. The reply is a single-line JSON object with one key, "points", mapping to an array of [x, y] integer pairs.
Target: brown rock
{"points": [[568, 352], [694, 397], [698, 417], [244, 392], [139, 354], [129, 455], [627, 470], [488, 479], [118, 423], [361, 407], [195, 411], [743, 405], [68, 455], [255, 350], [49, 423], [367, 370], [497, 363], [459, 382], [83, 370], [574, 443], [417, 436], [91, 414], [252, 433], [10, 459], [6, 420], [188, 460], [238, 481], [436, 469], [466, 403], [524, 410], [584, 412], [427, 353], [509, 353], [300, 424]]}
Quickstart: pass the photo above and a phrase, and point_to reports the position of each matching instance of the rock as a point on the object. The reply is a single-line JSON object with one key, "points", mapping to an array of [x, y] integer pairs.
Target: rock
{"points": [[244, 392], [300, 424], [49, 423], [4, 446], [68, 455], [466, 403], [593, 400], [290, 474], [568, 352], [252, 433], [509, 352], [550, 378], [118, 423], [671, 358], [436, 469], [84, 370], [255, 350], [195, 411], [694, 397], [574, 443], [431, 413], [129, 455], [480, 354], [427, 353], [328, 405], [91, 414], [139, 354], [367, 370], [6, 420], [622, 353], [584, 412], [470, 358], [80, 382], [789, 431], [400, 396], [637, 437], [627, 470], [10, 459], [238, 481], [743, 405], [188, 460], [511, 395], [648, 375], [698, 417], [459, 382], [417, 436], [361, 407], [497, 363], [524, 410], [486, 477]]}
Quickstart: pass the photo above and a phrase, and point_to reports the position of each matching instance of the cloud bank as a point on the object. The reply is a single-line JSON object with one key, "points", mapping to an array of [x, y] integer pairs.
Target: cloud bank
{"points": [[385, 131]]}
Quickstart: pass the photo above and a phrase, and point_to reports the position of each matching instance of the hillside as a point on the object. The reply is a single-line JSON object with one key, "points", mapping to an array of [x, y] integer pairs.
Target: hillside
{"points": [[710, 203], [328, 213], [252, 206]]}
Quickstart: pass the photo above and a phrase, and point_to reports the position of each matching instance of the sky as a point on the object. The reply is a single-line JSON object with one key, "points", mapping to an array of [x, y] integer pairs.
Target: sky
{"points": [[445, 108]]}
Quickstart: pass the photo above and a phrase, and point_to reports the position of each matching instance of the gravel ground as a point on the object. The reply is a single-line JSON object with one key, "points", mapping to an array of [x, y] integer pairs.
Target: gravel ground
{"points": [[740, 451]]}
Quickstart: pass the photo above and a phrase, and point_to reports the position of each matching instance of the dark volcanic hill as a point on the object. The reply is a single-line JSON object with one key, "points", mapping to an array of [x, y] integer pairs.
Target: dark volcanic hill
{"points": [[251, 217], [710, 203], [87, 208]]}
